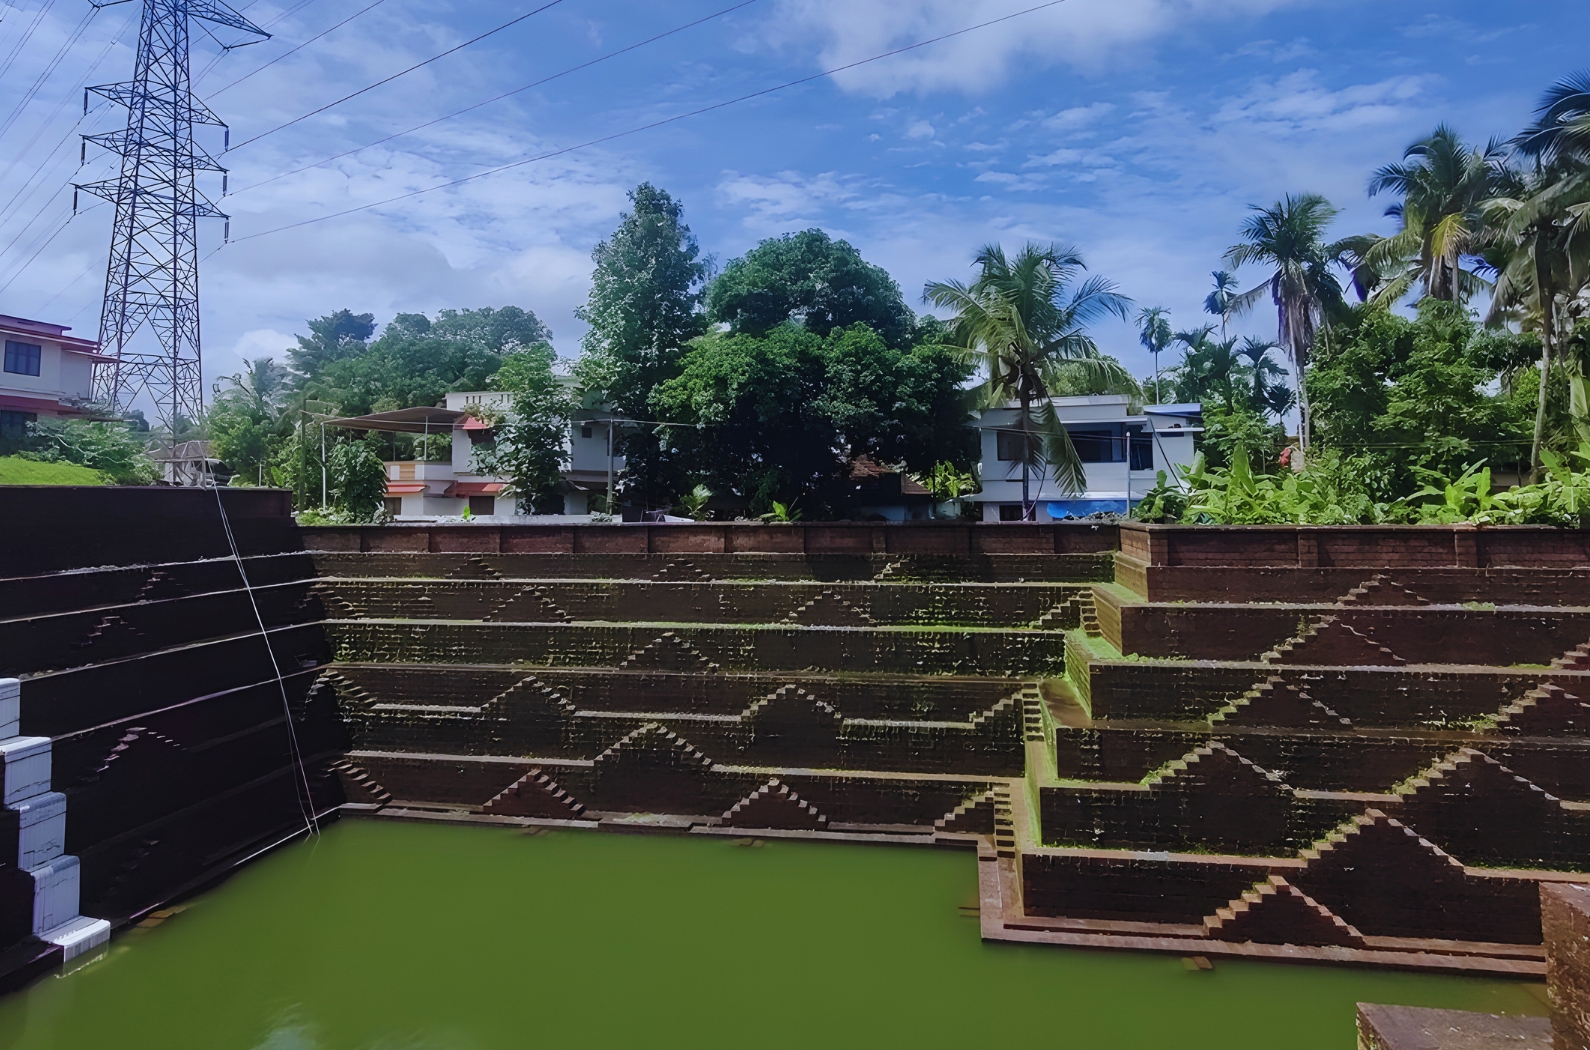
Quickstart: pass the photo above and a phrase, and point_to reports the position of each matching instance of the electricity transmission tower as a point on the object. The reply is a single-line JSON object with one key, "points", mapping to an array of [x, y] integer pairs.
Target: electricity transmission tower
{"points": [[153, 275]]}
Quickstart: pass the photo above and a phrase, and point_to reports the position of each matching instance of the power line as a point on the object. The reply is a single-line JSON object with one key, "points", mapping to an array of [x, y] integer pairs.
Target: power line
{"points": [[216, 59], [44, 74], [300, 47], [26, 36], [505, 94], [24, 267], [655, 123], [399, 73], [27, 149]]}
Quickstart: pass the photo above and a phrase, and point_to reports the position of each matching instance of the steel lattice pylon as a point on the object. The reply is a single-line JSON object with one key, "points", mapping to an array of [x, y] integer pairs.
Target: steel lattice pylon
{"points": [[153, 275]]}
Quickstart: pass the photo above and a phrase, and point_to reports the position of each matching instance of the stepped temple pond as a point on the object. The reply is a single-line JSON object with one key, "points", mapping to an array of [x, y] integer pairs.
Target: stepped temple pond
{"points": [[385, 936], [812, 783]]}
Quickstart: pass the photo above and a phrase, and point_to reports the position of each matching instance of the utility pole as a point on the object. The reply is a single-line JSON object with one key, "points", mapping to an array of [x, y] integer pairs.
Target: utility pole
{"points": [[152, 277]]}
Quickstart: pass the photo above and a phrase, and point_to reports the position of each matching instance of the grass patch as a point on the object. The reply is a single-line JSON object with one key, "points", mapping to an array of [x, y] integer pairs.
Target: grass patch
{"points": [[14, 470]]}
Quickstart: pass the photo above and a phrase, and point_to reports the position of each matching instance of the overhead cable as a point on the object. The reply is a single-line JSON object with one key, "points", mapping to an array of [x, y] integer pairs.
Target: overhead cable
{"points": [[654, 124], [505, 94], [399, 73], [295, 50]]}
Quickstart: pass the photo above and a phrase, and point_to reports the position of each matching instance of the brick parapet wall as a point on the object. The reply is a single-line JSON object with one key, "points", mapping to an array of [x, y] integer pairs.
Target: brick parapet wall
{"points": [[1356, 546], [1503, 585], [799, 538]]}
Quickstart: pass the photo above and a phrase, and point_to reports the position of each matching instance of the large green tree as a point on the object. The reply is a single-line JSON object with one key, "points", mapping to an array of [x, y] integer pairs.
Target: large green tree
{"points": [[1024, 321], [784, 415], [416, 361], [331, 338], [1396, 396], [813, 280], [644, 307]]}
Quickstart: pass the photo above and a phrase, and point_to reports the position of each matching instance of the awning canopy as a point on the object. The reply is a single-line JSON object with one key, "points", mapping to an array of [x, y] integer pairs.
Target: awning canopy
{"points": [[475, 488], [404, 488], [403, 421]]}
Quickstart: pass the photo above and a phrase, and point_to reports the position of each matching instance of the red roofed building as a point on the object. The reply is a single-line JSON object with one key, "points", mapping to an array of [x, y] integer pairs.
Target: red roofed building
{"points": [[47, 373]]}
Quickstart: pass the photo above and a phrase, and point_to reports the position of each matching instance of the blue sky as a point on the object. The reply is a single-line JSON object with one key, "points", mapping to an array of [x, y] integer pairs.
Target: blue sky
{"points": [[1137, 130]]}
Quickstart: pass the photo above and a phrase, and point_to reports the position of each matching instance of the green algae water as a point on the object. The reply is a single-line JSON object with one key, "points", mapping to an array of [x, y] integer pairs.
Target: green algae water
{"points": [[415, 937]]}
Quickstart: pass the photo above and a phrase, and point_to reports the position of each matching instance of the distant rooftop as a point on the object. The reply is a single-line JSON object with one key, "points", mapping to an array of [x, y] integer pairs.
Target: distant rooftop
{"points": [[57, 332]]}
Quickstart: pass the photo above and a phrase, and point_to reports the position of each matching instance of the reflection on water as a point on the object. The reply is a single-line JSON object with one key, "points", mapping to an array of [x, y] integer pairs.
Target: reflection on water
{"points": [[412, 937]]}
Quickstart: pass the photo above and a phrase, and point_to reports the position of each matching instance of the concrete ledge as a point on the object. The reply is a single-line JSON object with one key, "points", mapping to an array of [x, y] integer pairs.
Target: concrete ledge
{"points": [[1418, 1028]]}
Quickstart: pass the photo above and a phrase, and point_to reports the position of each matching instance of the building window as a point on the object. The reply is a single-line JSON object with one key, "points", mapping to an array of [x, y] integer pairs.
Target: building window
{"points": [[585, 431], [393, 505], [482, 506], [14, 425], [1142, 452], [1096, 446], [1008, 444], [1010, 512], [23, 358]]}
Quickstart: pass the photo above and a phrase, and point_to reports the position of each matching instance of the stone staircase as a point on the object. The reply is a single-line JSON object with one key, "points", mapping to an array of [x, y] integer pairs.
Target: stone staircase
{"points": [[41, 836]]}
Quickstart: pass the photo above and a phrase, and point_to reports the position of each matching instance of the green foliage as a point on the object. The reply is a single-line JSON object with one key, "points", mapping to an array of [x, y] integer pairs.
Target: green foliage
{"points": [[1165, 503], [1330, 491], [1403, 396], [643, 309], [1562, 497], [416, 361], [17, 470], [782, 514], [112, 449], [331, 338], [1226, 431], [247, 420], [694, 502], [358, 479], [947, 482], [812, 280], [1323, 494], [763, 417], [531, 439]]}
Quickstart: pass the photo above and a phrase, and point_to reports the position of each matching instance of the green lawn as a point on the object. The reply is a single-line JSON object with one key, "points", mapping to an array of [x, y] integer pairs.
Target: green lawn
{"points": [[14, 470]]}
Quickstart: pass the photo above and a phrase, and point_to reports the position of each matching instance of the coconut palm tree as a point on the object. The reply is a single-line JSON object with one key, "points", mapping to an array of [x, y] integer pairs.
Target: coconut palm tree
{"points": [[1540, 230], [1266, 378], [1153, 328], [1541, 221], [1444, 184], [1222, 300], [1561, 128], [1023, 319], [1288, 237]]}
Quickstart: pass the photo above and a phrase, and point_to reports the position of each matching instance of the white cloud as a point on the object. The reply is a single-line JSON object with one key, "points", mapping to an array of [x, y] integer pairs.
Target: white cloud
{"points": [[1300, 103], [1078, 117], [257, 343], [1090, 35], [919, 129]]}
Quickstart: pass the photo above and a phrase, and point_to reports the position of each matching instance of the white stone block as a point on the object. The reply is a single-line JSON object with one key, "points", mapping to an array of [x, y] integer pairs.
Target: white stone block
{"points": [[10, 706], [55, 893], [27, 762], [80, 935], [42, 836]]}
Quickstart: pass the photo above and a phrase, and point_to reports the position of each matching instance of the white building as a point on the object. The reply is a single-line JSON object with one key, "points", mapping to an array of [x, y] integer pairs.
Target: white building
{"points": [[47, 374], [1121, 454], [418, 489]]}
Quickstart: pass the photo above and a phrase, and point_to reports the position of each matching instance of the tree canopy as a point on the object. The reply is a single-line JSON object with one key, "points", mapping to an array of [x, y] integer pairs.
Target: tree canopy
{"points": [[812, 280], [783, 416]]}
